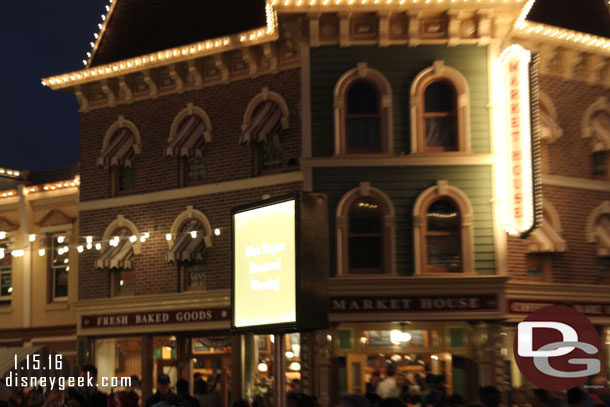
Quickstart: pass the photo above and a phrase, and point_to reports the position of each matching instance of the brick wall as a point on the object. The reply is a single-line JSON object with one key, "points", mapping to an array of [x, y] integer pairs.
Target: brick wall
{"points": [[569, 156], [225, 159]]}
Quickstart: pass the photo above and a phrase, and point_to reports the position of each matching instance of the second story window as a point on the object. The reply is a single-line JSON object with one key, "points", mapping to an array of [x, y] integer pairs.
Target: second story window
{"points": [[189, 238], [365, 232], [363, 112], [442, 242], [59, 268], [121, 145], [6, 274], [189, 133]]}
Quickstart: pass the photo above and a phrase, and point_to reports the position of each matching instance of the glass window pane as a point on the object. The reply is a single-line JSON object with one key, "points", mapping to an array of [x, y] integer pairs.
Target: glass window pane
{"points": [[439, 97], [599, 163], [195, 169], [443, 251], [6, 283], [61, 282], [440, 131], [364, 216], [603, 268], [364, 252], [126, 178], [126, 281], [272, 152], [363, 133], [362, 99], [195, 274], [443, 216]]}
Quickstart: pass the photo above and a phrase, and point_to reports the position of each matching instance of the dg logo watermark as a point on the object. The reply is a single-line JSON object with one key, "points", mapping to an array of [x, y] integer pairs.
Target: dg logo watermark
{"points": [[557, 348]]}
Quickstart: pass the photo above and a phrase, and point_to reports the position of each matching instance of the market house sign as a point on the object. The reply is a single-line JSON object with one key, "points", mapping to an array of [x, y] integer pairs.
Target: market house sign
{"points": [[515, 122], [450, 303], [148, 318]]}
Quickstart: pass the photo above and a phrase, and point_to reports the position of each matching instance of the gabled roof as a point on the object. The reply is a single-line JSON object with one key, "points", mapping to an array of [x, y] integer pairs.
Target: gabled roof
{"points": [[139, 27], [586, 16]]}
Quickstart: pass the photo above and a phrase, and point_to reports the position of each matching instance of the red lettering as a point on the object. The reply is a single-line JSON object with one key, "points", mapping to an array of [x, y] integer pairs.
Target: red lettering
{"points": [[513, 66]]}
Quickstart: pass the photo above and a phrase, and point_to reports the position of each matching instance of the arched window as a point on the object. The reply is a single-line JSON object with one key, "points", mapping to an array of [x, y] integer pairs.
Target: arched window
{"points": [[265, 119], [190, 236], [440, 118], [363, 118], [544, 241], [550, 130], [443, 240], [121, 144], [443, 232], [190, 131], [596, 124], [365, 232], [363, 112], [120, 243], [598, 232]]}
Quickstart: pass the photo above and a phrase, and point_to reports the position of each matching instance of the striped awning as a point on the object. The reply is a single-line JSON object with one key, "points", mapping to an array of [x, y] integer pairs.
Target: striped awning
{"points": [[189, 139], [549, 129], [189, 249], [7, 363], [266, 121], [120, 150], [602, 231], [117, 257], [546, 239], [600, 122]]}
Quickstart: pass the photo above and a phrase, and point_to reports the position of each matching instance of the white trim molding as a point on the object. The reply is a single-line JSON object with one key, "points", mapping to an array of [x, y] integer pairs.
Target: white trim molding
{"points": [[442, 189], [550, 130], [363, 73], [439, 72], [119, 124], [601, 140], [121, 222], [388, 234]]}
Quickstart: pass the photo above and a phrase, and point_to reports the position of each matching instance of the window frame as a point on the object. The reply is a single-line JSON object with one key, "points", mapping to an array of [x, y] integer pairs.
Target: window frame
{"points": [[115, 173], [378, 116], [425, 115], [546, 265], [352, 270], [428, 233], [185, 280], [384, 102], [184, 169], [388, 240], [440, 72], [52, 269], [116, 282], [442, 189]]}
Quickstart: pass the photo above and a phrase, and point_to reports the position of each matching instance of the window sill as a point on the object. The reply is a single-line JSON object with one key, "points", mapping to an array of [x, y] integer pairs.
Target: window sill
{"points": [[57, 305]]}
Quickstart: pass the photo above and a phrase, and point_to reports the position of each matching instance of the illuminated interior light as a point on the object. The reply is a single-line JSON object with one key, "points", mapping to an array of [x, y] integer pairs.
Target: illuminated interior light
{"points": [[17, 253], [41, 252], [10, 290], [121, 283], [1, 253], [434, 357], [295, 366], [2, 235], [262, 367], [32, 237]]}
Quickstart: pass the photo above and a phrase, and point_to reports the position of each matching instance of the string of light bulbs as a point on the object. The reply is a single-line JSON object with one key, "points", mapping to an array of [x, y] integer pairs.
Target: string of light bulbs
{"points": [[90, 243]]}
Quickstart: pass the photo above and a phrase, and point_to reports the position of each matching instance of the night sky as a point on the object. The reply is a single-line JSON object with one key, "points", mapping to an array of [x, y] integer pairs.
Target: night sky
{"points": [[40, 38]]}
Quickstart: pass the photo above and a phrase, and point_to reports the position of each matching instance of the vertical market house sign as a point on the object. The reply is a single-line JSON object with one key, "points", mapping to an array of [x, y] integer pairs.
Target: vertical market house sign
{"points": [[516, 129]]}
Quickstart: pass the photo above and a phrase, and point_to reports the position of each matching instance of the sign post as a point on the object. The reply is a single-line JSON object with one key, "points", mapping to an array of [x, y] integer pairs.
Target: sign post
{"points": [[280, 271]]}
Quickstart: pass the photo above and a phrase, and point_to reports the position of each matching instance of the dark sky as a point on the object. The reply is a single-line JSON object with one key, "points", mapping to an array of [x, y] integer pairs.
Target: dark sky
{"points": [[40, 38]]}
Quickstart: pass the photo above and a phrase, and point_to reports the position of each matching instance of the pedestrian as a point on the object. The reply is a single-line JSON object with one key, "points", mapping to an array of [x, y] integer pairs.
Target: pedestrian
{"points": [[387, 385], [402, 388], [182, 386], [437, 397], [92, 397], [490, 396], [371, 386], [164, 397], [598, 392], [203, 396]]}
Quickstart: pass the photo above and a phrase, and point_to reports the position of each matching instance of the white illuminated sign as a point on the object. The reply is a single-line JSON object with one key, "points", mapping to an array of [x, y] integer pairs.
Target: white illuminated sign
{"points": [[265, 265], [514, 135]]}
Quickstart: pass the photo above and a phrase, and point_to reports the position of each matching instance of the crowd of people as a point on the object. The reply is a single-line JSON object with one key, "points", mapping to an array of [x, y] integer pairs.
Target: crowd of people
{"points": [[393, 390]]}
